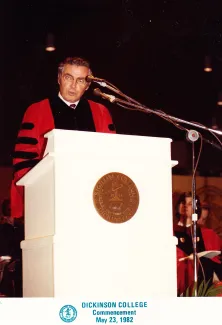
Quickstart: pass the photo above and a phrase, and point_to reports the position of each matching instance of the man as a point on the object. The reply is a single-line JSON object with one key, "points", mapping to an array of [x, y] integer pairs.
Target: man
{"points": [[68, 110]]}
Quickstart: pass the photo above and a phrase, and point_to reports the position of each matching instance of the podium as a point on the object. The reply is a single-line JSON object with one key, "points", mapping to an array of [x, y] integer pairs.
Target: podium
{"points": [[69, 248]]}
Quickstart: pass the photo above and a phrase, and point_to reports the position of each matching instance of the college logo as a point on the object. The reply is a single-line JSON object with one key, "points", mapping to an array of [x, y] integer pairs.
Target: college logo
{"points": [[68, 313], [116, 197]]}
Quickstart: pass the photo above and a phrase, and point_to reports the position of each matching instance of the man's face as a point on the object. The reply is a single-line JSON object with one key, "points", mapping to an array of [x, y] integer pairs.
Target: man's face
{"points": [[72, 84]]}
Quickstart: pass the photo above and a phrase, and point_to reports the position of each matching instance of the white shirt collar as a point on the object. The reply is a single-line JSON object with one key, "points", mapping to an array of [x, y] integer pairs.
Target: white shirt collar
{"points": [[65, 101], [181, 224]]}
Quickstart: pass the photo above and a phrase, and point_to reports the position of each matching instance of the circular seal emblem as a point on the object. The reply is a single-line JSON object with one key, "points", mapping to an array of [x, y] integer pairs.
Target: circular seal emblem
{"points": [[68, 313], [116, 198]]}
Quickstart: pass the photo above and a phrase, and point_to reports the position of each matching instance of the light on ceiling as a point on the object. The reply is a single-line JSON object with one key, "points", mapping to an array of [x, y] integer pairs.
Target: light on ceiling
{"points": [[219, 99], [207, 64], [214, 123], [50, 43]]}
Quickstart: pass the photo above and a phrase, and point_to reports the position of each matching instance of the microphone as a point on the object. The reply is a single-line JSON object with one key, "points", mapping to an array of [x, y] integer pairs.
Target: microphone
{"points": [[98, 92], [192, 135], [90, 78]]}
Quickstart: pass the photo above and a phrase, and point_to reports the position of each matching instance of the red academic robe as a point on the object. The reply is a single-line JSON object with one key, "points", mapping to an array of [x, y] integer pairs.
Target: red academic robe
{"points": [[37, 121], [185, 270]]}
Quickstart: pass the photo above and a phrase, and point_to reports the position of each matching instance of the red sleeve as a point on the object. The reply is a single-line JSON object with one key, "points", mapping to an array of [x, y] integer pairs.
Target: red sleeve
{"points": [[26, 155], [102, 118], [211, 241], [184, 272]]}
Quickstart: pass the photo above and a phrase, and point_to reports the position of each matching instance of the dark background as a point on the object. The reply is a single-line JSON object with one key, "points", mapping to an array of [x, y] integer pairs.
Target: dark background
{"points": [[152, 50]]}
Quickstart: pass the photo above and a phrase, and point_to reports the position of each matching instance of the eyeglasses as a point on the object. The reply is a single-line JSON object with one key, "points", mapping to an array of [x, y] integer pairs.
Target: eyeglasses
{"points": [[69, 79]]}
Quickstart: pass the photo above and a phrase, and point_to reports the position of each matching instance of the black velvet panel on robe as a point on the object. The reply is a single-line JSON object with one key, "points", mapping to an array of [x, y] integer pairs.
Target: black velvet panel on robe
{"points": [[67, 118], [185, 240]]}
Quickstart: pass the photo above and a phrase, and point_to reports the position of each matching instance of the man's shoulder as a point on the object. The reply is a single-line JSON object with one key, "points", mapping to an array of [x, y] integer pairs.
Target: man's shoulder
{"points": [[95, 104], [98, 108], [37, 107], [102, 117], [39, 103]]}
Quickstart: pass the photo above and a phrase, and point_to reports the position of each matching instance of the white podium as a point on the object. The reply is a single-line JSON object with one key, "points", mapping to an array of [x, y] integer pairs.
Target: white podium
{"points": [[69, 249]]}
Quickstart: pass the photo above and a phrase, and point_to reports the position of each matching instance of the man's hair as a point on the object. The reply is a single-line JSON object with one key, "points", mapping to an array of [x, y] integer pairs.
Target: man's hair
{"points": [[74, 61]]}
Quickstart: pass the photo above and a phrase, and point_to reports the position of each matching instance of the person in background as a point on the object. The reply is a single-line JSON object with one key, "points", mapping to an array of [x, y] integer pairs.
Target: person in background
{"points": [[209, 220], [11, 234], [6, 212], [7, 245], [6, 231], [206, 217], [207, 240]]}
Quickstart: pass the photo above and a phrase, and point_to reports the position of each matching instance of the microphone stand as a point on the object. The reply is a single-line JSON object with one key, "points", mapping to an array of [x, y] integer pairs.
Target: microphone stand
{"points": [[194, 219], [193, 136], [111, 87], [140, 107], [159, 113]]}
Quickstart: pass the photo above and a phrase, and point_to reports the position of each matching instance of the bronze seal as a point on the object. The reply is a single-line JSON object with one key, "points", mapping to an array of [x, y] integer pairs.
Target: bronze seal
{"points": [[116, 198]]}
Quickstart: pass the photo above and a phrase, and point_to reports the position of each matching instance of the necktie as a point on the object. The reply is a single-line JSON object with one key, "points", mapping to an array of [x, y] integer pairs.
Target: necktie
{"points": [[72, 105]]}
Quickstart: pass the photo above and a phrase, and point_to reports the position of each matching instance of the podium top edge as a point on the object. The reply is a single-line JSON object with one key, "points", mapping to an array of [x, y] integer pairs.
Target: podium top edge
{"points": [[56, 132]]}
